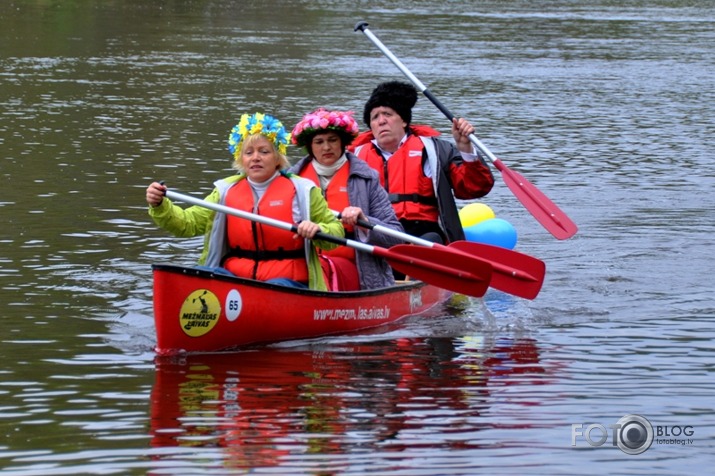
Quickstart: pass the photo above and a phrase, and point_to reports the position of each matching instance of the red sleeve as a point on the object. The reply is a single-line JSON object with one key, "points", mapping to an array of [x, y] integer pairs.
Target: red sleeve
{"points": [[470, 179]]}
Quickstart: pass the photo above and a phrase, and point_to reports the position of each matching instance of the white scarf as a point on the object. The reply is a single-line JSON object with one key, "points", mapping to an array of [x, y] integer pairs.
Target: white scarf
{"points": [[326, 172], [259, 188]]}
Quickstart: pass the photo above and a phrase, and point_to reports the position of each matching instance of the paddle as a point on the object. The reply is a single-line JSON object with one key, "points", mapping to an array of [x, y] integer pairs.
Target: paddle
{"points": [[512, 272], [441, 268], [533, 199]]}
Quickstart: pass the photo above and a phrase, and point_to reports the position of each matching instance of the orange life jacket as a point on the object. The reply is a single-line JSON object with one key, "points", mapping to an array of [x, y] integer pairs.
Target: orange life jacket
{"points": [[411, 192], [336, 194], [259, 251]]}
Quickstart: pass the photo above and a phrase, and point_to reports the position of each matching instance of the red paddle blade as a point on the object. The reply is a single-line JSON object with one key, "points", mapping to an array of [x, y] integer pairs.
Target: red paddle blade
{"points": [[443, 268], [539, 205], [512, 272]]}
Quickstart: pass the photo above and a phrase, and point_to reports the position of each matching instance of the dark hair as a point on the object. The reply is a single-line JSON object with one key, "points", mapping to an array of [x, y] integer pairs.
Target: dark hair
{"points": [[396, 95], [345, 138]]}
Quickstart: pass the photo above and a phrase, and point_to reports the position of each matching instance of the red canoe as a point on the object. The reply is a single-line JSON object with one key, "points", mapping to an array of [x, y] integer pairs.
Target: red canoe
{"points": [[199, 311]]}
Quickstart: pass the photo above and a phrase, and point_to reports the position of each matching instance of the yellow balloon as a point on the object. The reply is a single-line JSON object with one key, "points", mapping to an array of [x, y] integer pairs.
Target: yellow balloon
{"points": [[475, 213]]}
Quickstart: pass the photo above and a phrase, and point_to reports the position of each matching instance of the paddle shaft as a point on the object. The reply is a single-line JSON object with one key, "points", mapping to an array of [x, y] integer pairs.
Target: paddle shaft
{"points": [[540, 206], [513, 272], [381, 252]]}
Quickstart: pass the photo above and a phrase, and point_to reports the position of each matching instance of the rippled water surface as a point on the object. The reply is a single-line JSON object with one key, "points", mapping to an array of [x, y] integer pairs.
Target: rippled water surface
{"points": [[605, 106]]}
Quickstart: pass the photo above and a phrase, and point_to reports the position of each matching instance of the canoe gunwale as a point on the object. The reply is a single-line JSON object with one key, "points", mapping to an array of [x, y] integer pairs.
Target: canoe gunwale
{"points": [[202, 273]]}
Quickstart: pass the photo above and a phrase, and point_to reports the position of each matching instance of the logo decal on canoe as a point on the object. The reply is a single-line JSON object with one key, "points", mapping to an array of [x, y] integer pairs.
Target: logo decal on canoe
{"points": [[199, 313]]}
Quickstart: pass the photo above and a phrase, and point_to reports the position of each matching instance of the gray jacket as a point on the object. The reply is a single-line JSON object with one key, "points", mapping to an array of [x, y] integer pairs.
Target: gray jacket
{"points": [[365, 191]]}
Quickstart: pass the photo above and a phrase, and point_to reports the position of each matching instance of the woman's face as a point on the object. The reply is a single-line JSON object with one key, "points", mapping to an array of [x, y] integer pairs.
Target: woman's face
{"points": [[260, 160], [326, 147]]}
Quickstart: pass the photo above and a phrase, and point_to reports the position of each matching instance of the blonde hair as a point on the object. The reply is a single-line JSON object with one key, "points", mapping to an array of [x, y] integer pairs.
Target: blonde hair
{"points": [[283, 162]]}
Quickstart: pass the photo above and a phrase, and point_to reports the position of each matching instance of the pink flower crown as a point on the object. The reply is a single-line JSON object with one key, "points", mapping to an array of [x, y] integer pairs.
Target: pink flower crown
{"points": [[323, 120]]}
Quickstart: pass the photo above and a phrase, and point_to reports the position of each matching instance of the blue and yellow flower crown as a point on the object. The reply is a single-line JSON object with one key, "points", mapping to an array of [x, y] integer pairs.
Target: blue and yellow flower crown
{"points": [[258, 123]]}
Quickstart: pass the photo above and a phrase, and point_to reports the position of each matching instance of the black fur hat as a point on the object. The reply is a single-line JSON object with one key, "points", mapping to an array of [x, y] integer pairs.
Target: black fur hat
{"points": [[396, 95]]}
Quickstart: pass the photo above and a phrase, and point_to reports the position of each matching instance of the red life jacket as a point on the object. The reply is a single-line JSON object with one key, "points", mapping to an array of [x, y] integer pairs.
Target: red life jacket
{"points": [[336, 194], [411, 192], [259, 251]]}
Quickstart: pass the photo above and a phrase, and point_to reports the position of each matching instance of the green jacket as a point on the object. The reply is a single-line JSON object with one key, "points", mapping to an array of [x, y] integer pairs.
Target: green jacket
{"points": [[197, 220]]}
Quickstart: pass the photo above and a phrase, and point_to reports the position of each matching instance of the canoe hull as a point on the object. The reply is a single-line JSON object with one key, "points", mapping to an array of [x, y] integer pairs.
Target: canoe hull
{"points": [[199, 311]]}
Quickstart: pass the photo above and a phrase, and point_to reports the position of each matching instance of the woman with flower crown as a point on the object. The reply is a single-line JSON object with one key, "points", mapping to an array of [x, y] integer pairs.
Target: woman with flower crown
{"points": [[246, 248], [352, 188]]}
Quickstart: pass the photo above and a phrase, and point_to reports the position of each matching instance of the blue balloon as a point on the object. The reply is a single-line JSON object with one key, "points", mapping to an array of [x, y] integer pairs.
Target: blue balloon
{"points": [[495, 231]]}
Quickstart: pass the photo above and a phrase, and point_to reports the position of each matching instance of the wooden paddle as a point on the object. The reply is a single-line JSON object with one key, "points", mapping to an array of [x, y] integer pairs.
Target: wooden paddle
{"points": [[512, 272], [445, 269], [533, 199]]}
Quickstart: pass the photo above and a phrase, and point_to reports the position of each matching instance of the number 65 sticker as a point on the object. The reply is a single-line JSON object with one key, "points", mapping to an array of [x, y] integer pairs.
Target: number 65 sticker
{"points": [[233, 306]]}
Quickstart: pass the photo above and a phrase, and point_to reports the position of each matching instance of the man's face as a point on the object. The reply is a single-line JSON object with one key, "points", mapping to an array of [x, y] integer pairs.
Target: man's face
{"points": [[388, 127]]}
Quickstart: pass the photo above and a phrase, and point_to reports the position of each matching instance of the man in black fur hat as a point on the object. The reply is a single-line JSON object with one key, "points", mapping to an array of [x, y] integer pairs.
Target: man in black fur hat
{"points": [[421, 173]]}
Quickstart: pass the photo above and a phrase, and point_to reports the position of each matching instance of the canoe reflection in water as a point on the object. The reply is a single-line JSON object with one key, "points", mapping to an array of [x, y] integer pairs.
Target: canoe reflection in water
{"points": [[264, 404]]}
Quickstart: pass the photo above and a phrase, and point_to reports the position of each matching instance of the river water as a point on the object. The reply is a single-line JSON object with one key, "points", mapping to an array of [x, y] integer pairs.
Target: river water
{"points": [[606, 106]]}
